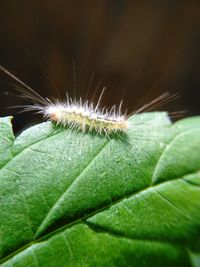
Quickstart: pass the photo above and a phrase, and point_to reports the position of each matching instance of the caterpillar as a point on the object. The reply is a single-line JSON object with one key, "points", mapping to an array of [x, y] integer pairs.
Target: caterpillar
{"points": [[82, 115]]}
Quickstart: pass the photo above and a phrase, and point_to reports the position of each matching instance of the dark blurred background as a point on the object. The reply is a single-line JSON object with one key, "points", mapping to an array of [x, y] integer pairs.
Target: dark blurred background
{"points": [[137, 49]]}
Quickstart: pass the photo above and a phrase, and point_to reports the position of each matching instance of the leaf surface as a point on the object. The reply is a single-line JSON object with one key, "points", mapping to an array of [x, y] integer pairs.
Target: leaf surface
{"points": [[74, 199]]}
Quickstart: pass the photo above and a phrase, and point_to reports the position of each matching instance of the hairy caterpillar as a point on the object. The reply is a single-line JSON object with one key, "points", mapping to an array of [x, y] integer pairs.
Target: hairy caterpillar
{"points": [[82, 115]]}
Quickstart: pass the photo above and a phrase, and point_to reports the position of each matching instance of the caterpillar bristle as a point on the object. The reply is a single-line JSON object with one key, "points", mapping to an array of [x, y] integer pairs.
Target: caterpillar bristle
{"points": [[79, 114]]}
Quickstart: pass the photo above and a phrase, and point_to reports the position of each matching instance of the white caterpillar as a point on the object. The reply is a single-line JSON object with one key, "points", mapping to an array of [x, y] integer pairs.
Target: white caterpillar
{"points": [[79, 115], [85, 116]]}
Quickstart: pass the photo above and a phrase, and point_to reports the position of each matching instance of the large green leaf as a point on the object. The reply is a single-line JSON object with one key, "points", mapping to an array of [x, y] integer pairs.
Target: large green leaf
{"points": [[74, 199]]}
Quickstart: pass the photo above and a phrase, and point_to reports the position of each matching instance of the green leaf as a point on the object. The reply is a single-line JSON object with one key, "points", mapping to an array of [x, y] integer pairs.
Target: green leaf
{"points": [[74, 199], [6, 140]]}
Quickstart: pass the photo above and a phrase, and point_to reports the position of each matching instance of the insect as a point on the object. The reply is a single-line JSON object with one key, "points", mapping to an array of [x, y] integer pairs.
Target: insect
{"points": [[81, 115]]}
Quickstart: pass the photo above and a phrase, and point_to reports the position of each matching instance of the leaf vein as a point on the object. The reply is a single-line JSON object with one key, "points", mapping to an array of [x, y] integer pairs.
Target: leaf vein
{"points": [[168, 146], [26, 148], [83, 219], [40, 228]]}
